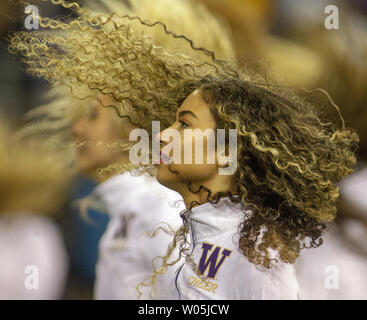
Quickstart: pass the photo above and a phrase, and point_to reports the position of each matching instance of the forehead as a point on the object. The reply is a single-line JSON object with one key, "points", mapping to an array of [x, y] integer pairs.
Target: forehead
{"points": [[195, 103]]}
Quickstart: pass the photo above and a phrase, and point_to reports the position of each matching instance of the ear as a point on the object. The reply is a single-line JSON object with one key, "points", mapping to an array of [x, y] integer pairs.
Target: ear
{"points": [[223, 161]]}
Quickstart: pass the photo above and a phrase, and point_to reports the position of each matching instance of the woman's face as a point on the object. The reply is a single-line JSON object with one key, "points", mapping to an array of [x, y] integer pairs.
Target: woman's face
{"points": [[99, 126], [193, 114]]}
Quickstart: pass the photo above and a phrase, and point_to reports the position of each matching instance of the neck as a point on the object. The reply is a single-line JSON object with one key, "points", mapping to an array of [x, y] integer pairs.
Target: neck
{"points": [[202, 196]]}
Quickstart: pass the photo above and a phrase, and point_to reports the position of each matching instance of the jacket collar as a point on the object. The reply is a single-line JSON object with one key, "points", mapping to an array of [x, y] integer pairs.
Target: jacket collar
{"points": [[124, 192], [209, 220], [126, 186]]}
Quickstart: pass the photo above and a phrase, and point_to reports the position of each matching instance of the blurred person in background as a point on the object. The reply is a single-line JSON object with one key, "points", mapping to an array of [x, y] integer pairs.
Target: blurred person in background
{"points": [[263, 49], [20, 93], [33, 187], [134, 204], [337, 270]]}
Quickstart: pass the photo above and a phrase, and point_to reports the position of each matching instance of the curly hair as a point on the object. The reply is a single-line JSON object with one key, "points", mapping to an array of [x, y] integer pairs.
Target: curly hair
{"points": [[289, 165], [121, 57], [345, 77], [289, 160], [186, 17], [343, 73]]}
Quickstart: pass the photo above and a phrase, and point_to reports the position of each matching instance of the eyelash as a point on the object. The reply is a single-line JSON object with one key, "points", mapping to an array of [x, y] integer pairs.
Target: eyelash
{"points": [[184, 124]]}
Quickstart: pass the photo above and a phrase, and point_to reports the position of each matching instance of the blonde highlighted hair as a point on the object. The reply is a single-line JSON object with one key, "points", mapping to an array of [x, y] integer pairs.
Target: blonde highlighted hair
{"points": [[111, 50], [32, 180]]}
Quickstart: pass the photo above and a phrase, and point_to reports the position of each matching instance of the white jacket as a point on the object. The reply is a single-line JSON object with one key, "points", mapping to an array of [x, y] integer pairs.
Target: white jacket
{"points": [[214, 230], [34, 263], [135, 205], [335, 271]]}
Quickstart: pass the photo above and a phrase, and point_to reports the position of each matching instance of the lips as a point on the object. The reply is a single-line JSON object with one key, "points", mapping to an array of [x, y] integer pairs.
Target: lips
{"points": [[163, 158]]}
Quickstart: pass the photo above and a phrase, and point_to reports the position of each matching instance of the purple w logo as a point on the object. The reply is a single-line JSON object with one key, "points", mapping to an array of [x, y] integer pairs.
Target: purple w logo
{"points": [[211, 262]]}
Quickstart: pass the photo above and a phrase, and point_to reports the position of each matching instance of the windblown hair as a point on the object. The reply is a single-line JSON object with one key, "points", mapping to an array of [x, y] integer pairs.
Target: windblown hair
{"points": [[31, 179], [289, 165], [185, 17], [248, 22], [121, 56], [289, 160], [345, 77]]}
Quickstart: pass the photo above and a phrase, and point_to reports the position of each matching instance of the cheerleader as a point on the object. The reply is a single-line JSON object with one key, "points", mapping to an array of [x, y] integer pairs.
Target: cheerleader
{"points": [[101, 122], [135, 204], [33, 186], [248, 228]]}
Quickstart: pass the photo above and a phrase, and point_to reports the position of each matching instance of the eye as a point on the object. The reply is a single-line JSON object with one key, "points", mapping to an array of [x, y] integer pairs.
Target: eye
{"points": [[184, 124]]}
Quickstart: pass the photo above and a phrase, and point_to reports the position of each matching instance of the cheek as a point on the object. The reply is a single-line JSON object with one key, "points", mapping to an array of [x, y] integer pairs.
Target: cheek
{"points": [[166, 177], [197, 172], [201, 153], [104, 131]]}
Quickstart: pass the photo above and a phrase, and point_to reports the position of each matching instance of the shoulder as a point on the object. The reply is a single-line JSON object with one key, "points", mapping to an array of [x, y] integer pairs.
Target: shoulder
{"points": [[257, 282], [250, 281], [157, 203]]}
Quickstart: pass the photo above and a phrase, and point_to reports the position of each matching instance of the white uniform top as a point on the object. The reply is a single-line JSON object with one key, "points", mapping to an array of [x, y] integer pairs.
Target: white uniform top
{"points": [[135, 205], [334, 270], [354, 188], [33, 259], [229, 274]]}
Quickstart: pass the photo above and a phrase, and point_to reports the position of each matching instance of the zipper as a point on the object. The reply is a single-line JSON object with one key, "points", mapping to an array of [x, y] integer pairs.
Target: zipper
{"points": [[179, 270]]}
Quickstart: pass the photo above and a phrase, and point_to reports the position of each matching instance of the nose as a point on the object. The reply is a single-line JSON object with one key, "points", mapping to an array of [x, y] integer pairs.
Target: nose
{"points": [[163, 138], [77, 128]]}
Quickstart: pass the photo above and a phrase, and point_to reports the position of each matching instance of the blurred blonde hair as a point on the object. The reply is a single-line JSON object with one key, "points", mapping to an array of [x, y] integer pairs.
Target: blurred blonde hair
{"points": [[31, 180], [248, 21], [53, 120], [183, 17]]}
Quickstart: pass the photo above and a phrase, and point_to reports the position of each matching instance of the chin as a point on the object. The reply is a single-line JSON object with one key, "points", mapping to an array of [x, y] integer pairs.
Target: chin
{"points": [[166, 177]]}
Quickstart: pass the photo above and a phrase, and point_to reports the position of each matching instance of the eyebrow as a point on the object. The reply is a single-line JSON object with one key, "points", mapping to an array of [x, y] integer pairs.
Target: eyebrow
{"points": [[184, 112]]}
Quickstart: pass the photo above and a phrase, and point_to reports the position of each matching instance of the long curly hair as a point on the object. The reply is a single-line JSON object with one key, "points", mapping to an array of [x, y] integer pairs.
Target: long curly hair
{"points": [[289, 164], [345, 77], [121, 56], [290, 161], [289, 158]]}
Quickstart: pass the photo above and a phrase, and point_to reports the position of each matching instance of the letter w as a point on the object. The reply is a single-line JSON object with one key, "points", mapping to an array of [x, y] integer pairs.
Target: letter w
{"points": [[211, 262]]}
